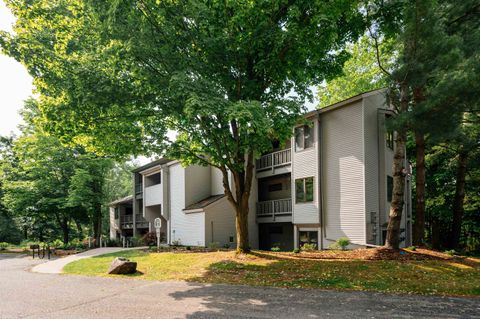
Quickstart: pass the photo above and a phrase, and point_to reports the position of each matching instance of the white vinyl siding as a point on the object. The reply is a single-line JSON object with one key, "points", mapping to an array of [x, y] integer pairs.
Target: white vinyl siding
{"points": [[216, 181], [189, 229], [305, 164], [343, 173], [153, 195]]}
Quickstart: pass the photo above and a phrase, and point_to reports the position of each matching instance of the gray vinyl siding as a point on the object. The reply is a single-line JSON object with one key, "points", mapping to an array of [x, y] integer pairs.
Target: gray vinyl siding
{"points": [[305, 164], [343, 173], [371, 131], [220, 223], [197, 183]]}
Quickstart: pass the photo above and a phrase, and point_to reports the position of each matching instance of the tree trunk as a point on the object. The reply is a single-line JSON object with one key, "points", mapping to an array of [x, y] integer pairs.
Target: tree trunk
{"points": [[65, 231], [396, 206], [97, 223], [240, 202], [419, 226], [458, 201], [241, 225], [79, 229], [435, 233]]}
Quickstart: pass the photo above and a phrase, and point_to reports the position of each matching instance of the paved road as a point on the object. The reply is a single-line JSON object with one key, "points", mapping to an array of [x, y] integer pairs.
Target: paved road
{"points": [[24, 294], [56, 266]]}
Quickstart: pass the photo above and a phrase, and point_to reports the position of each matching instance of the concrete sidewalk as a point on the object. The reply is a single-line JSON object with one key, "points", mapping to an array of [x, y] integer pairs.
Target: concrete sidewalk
{"points": [[56, 266]]}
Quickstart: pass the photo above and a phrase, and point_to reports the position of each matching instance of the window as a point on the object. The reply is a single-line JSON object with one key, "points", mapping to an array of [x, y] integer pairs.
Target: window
{"points": [[153, 179], [308, 237], [303, 137], [117, 212], [304, 190], [389, 139], [389, 188], [275, 187]]}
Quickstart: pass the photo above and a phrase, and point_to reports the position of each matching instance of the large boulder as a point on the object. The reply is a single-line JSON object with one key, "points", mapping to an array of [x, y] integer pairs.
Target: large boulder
{"points": [[122, 266]]}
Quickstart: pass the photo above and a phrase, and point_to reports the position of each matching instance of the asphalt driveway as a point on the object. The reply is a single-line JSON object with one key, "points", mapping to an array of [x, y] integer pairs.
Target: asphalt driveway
{"points": [[24, 294]]}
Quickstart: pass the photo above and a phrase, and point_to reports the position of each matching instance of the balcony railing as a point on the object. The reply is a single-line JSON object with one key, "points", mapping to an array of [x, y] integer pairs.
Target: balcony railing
{"points": [[274, 207], [138, 188], [127, 219], [275, 159]]}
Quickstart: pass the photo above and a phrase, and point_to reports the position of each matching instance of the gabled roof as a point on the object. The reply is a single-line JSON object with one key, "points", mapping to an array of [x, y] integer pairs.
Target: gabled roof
{"points": [[340, 104], [200, 205], [160, 161], [126, 199]]}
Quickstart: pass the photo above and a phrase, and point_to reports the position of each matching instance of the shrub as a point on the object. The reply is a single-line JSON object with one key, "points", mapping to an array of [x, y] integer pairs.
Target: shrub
{"points": [[340, 243], [451, 252], [213, 245], [412, 248], [57, 244], [296, 251], [4, 245], [77, 244], [176, 242], [150, 238], [113, 242], [309, 247], [226, 246], [343, 242], [275, 249], [136, 241]]}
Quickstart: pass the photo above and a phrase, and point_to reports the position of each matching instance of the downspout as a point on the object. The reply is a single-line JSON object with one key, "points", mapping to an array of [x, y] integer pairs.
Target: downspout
{"points": [[134, 207], [320, 177], [166, 201]]}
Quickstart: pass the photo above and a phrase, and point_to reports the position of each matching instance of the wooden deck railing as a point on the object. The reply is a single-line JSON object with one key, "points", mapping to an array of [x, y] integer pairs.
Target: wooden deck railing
{"points": [[274, 207], [275, 159]]}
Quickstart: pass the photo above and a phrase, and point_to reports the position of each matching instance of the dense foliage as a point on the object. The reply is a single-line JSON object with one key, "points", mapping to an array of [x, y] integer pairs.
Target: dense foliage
{"points": [[50, 190], [431, 54], [228, 77]]}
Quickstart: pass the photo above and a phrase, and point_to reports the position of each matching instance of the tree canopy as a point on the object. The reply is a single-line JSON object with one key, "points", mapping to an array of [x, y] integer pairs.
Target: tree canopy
{"points": [[228, 77]]}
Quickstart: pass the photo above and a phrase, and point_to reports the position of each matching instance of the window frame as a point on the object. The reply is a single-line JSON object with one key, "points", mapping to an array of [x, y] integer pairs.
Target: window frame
{"points": [[306, 197], [300, 133], [389, 188], [390, 139]]}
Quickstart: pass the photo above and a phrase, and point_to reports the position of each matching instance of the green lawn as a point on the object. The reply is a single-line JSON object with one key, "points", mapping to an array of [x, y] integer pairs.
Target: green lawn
{"points": [[443, 277]]}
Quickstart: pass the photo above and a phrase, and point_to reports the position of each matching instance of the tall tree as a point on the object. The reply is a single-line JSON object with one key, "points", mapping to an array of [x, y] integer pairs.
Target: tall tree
{"points": [[361, 73], [117, 76], [424, 68]]}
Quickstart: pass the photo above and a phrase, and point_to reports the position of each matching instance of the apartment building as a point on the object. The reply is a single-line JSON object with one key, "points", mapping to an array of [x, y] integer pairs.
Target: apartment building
{"points": [[332, 179]]}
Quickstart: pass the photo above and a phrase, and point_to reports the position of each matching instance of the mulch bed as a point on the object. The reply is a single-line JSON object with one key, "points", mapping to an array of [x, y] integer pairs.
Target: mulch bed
{"points": [[377, 254]]}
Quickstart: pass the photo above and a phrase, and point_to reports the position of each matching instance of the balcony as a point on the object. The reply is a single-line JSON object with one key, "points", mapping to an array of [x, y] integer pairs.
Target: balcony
{"points": [[275, 163], [274, 208], [141, 222], [127, 221]]}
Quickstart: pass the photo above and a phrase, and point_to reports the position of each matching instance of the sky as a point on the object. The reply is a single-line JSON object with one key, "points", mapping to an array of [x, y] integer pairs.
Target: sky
{"points": [[15, 82]]}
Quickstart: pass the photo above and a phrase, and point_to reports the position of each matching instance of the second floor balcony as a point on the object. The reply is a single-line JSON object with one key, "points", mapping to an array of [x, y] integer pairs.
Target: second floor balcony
{"points": [[273, 208], [274, 160]]}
